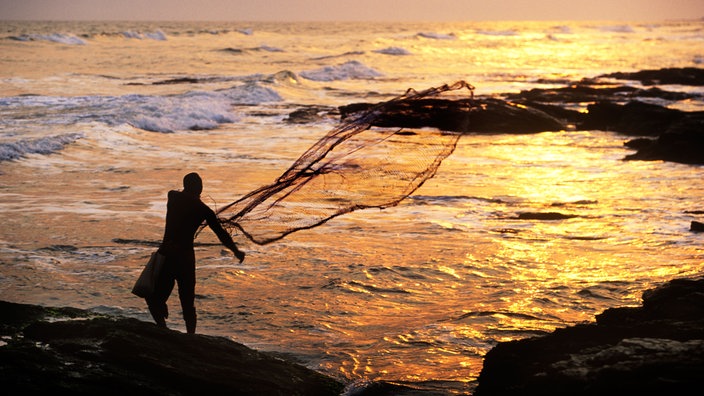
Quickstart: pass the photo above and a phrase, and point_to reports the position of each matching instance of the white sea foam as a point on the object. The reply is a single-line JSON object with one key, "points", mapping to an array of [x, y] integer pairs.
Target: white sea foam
{"points": [[508, 32], [437, 36], [46, 145], [352, 70], [61, 38], [561, 29], [617, 29], [251, 94], [195, 110], [191, 111], [270, 48], [393, 51], [155, 35]]}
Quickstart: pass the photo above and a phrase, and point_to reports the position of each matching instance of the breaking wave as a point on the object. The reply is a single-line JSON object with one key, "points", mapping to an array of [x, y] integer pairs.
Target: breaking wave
{"points": [[352, 70], [61, 38], [437, 36], [46, 145], [195, 110], [155, 35], [393, 51]]}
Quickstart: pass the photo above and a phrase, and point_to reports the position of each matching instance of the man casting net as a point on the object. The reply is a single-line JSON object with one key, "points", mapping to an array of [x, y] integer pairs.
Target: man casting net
{"points": [[357, 165]]}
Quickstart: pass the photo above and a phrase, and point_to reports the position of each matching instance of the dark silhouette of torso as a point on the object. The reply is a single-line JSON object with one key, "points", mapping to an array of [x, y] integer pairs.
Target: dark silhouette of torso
{"points": [[185, 213]]}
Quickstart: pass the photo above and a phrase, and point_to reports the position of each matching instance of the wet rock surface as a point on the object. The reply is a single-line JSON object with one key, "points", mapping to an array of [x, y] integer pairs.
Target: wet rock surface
{"points": [[654, 349], [471, 115], [69, 351], [676, 135]]}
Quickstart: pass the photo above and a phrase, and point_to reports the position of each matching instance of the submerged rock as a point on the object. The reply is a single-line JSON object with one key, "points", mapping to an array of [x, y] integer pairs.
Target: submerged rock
{"points": [[309, 114], [544, 216], [654, 349], [69, 351]]}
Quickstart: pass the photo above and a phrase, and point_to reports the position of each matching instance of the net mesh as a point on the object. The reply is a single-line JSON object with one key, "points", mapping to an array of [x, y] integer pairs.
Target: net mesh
{"points": [[354, 166]]}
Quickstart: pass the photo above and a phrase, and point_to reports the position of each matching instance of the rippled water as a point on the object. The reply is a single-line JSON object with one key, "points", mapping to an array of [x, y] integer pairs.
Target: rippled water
{"points": [[416, 293]]}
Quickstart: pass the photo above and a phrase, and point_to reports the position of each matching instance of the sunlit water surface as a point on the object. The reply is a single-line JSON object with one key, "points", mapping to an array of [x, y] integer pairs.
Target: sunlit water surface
{"points": [[416, 293]]}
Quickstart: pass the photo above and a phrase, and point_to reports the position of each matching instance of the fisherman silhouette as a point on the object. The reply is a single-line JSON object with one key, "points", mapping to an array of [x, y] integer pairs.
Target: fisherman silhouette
{"points": [[185, 213]]}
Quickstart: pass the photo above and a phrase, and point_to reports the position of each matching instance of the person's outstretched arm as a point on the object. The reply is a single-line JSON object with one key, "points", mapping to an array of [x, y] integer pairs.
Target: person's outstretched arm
{"points": [[223, 235]]}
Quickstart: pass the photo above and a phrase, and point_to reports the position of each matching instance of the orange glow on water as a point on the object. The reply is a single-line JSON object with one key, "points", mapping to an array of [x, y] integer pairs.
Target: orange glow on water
{"points": [[417, 292]]}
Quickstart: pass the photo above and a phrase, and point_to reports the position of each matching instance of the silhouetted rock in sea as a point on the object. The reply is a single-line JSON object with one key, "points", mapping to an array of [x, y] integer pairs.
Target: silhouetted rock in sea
{"points": [[633, 118], [544, 216], [682, 76], [465, 115], [696, 226], [70, 351], [680, 134], [654, 349], [620, 108]]}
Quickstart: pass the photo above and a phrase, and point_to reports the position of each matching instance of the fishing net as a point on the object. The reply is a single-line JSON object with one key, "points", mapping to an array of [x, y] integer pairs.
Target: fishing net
{"points": [[355, 166]]}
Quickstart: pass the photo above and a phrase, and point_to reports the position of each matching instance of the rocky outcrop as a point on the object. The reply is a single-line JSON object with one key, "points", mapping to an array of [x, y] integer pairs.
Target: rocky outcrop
{"points": [[69, 351], [679, 135], [467, 115], [654, 349], [685, 147], [696, 226], [682, 76], [633, 118], [675, 135]]}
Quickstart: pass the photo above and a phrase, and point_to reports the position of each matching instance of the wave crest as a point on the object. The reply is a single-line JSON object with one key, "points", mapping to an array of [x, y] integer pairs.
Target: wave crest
{"points": [[392, 51], [46, 145], [61, 38], [351, 70]]}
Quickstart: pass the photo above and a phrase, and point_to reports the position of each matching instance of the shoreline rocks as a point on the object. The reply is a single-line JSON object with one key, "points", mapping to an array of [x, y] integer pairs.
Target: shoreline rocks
{"points": [[466, 115], [654, 349], [675, 135], [658, 347], [67, 350]]}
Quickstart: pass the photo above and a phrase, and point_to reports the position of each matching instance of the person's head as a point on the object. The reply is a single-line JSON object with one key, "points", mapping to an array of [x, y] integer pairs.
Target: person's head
{"points": [[192, 184]]}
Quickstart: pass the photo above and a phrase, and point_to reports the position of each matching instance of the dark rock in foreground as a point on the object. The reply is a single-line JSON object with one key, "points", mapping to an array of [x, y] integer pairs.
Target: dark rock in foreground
{"points": [[67, 351], [654, 349]]}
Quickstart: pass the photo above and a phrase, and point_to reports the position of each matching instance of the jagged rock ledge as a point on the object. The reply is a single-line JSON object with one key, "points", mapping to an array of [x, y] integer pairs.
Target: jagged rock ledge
{"points": [[654, 349], [70, 351]]}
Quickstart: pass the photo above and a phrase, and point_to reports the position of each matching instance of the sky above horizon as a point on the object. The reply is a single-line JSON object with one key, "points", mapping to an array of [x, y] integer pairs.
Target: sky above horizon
{"points": [[350, 10]]}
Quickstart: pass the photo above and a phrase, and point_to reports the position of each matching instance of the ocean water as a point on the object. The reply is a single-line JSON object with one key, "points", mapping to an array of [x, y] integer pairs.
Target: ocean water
{"points": [[99, 120]]}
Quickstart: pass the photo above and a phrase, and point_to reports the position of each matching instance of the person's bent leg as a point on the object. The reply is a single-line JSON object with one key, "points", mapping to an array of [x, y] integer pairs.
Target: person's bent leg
{"points": [[157, 302], [159, 311]]}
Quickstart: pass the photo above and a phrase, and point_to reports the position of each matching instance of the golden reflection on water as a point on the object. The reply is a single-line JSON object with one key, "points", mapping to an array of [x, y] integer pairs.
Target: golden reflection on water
{"points": [[417, 292]]}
